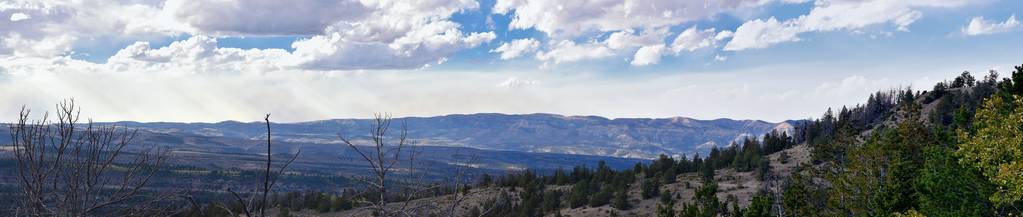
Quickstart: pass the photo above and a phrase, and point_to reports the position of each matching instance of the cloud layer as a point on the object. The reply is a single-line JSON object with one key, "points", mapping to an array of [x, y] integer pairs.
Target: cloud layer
{"points": [[394, 34], [340, 35]]}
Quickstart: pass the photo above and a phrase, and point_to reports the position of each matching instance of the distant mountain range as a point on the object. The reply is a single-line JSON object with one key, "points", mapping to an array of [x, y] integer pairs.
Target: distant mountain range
{"points": [[544, 133]]}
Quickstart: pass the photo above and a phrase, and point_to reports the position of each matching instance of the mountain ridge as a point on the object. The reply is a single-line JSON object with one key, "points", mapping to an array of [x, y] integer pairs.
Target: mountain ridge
{"points": [[538, 132]]}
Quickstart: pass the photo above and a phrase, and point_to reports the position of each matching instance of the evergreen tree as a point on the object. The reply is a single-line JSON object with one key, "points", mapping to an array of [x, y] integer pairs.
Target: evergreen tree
{"points": [[580, 194], [948, 188], [879, 176], [705, 203], [707, 172], [760, 206], [666, 198], [796, 197], [486, 180], [551, 201], [1017, 81], [649, 188], [602, 197], [621, 201]]}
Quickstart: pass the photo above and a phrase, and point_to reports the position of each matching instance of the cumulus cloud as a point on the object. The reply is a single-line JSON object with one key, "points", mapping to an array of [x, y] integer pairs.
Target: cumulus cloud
{"points": [[577, 17], [627, 39], [264, 17], [198, 54], [341, 35], [428, 44], [569, 51], [648, 55], [832, 15], [981, 26], [516, 48], [759, 33], [692, 39], [19, 17]]}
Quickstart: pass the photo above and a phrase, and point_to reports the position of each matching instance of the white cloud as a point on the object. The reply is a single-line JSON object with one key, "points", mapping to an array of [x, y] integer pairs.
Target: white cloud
{"points": [[692, 39], [758, 33], [430, 43], [981, 26], [198, 54], [265, 17], [834, 15], [516, 82], [517, 48], [19, 17], [569, 51], [571, 18], [628, 39], [342, 35], [648, 55]]}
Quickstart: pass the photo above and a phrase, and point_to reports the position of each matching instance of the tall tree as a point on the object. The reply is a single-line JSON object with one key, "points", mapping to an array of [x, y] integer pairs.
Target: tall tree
{"points": [[947, 188], [995, 147]]}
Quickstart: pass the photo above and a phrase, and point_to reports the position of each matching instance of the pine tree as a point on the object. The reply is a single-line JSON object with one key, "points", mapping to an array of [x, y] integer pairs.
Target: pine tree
{"points": [[621, 201], [664, 210], [602, 197], [649, 188], [1017, 81], [760, 206], [707, 172], [796, 197], [580, 194], [947, 188]]}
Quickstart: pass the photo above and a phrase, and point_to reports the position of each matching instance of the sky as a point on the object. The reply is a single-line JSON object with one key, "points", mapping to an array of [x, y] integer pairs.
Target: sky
{"points": [[303, 60]]}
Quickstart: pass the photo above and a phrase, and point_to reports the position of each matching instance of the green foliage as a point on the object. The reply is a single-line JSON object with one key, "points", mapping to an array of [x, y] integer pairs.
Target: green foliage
{"points": [[996, 146], [800, 198], [665, 211], [760, 206], [947, 188], [707, 172], [879, 175], [763, 169], [1017, 80], [964, 80], [649, 188], [579, 195], [551, 201], [909, 213], [621, 201], [666, 198], [705, 203], [602, 197]]}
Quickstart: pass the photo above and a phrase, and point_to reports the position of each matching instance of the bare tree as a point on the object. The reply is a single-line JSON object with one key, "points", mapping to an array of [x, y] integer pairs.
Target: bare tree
{"points": [[385, 155], [65, 169], [382, 160], [256, 203]]}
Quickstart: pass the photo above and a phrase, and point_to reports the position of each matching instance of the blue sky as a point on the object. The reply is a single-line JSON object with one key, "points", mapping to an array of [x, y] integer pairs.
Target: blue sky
{"points": [[774, 60]]}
